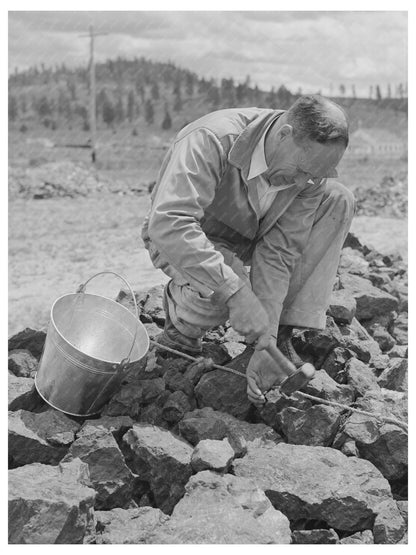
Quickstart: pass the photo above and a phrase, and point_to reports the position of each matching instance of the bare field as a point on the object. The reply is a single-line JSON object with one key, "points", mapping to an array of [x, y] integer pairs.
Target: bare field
{"points": [[56, 244]]}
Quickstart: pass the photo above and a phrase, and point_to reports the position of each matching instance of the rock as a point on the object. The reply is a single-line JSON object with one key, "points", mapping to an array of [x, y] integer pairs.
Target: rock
{"points": [[163, 460], [357, 339], [224, 391], [314, 536], [299, 480], [349, 448], [127, 526], [176, 381], [153, 414], [233, 348], [395, 375], [361, 377], [364, 537], [334, 364], [352, 262], [207, 423], [217, 353], [404, 510], [317, 343], [384, 444], [117, 425], [50, 504], [22, 394], [370, 300], [276, 403], [352, 241], [176, 406], [212, 454], [223, 510], [202, 424], [324, 387], [315, 426], [382, 336], [153, 330], [129, 400], [399, 351], [196, 370], [400, 330], [379, 363], [389, 525], [22, 363], [43, 437], [153, 305], [342, 307], [28, 339], [109, 474]]}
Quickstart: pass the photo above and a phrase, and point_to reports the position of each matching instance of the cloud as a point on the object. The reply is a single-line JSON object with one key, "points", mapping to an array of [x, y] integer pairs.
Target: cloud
{"points": [[307, 49]]}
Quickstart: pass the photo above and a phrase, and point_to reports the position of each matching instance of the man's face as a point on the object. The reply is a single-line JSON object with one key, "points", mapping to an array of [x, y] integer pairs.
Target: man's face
{"points": [[312, 160]]}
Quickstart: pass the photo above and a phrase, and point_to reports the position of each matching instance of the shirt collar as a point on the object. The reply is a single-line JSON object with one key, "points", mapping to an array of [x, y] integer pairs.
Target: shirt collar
{"points": [[258, 164]]}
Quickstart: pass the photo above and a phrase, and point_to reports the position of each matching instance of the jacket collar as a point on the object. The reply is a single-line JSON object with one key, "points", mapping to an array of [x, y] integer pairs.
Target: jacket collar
{"points": [[243, 147]]}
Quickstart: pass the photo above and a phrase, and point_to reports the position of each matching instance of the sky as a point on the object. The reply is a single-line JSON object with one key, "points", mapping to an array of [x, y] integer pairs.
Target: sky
{"points": [[315, 50]]}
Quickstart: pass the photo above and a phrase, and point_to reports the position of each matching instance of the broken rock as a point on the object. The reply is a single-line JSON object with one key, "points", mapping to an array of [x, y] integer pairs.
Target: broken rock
{"points": [[361, 377], [127, 526], [395, 375], [324, 387], [364, 537], [109, 474], [50, 504], [370, 300], [22, 394], [315, 426], [31, 340], [22, 363], [314, 536], [342, 307], [212, 454], [300, 480], [162, 459], [223, 510], [43, 437], [389, 525], [176, 406]]}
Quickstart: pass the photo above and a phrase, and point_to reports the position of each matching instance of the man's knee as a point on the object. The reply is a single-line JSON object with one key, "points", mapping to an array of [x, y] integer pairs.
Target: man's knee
{"points": [[340, 198]]}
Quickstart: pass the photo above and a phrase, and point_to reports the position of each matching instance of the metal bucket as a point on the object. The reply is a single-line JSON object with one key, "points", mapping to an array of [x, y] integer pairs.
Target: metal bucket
{"points": [[91, 343]]}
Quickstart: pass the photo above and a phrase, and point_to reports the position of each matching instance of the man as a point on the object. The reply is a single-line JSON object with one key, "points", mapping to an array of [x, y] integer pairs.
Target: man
{"points": [[248, 187]]}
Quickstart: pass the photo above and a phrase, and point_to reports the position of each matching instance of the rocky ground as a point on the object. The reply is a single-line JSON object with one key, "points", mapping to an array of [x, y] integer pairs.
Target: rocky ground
{"points": [[179, 455]]}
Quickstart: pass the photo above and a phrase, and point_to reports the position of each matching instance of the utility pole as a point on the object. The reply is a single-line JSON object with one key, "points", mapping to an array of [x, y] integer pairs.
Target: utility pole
{"points": [[93, 119]]}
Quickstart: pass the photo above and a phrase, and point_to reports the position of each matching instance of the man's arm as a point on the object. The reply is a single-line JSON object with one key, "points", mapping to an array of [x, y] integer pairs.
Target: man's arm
{"points": [[186, 187], [277, 252]]}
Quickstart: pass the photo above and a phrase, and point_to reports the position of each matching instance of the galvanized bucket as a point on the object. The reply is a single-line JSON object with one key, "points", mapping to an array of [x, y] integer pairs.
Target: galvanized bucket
{"points": [[91, 343]]}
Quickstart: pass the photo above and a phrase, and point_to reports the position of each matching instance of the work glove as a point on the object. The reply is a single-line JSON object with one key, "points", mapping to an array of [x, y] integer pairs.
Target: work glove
{"points": [[248, 317], [262, 374]]}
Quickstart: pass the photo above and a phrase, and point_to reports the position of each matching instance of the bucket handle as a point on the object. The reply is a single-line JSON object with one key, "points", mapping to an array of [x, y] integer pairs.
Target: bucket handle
{"points": [[81, 289]]}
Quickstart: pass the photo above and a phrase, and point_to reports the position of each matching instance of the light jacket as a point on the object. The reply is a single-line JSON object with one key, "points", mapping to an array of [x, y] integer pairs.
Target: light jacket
{"points": [[203, 196]]}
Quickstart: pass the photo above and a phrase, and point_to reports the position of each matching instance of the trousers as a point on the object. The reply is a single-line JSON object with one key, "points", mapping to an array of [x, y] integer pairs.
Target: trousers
{"points": [[311, 282]]}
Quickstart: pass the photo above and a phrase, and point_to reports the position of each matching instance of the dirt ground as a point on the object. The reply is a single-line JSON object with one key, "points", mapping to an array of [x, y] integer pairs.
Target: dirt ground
{"points": [[55, 244]]}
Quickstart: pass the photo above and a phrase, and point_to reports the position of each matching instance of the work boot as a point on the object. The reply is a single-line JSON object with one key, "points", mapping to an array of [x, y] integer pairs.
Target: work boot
{"points": [[284, 343], [172, 337]]}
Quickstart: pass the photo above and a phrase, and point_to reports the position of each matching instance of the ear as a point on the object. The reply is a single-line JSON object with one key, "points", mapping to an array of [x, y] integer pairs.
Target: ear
{"points": [[284, 132]]}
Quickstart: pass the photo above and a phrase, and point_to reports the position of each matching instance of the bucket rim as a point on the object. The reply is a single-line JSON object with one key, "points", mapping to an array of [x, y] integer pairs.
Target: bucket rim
{"points": [[113, 362]]}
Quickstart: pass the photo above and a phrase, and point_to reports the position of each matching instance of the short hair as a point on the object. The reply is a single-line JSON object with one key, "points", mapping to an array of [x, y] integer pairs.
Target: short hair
{"points": [[310, 119]]}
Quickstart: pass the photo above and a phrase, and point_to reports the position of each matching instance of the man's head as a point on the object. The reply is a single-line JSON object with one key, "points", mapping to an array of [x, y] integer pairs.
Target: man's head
{"points": [[307, 140]]}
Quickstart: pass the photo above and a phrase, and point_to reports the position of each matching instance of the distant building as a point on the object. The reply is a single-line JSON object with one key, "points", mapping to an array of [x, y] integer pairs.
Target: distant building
{"points": [[375, 143]]}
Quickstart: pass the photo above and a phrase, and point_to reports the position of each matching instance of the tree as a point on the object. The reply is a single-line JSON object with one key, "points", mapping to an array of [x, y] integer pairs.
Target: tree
{"points": [[149, 112], [400, 90], [44, 107], [131, 103], [155, 91], [342, 90], [109, 113], [119, 110], [214, 96], [167, 121], [389, 91], [13, 109], [177, 105], [370, 95], [189, 84], [353, 92], [378, 92]]}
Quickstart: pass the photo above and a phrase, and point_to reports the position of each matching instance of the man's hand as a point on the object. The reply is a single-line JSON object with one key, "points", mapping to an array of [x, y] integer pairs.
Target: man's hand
{"points": [[248, 317], [262, 374]]}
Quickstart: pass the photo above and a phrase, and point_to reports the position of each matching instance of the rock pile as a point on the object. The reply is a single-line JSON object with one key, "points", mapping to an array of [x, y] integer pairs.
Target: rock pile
{"points": [[388, 199], [62, 179], [179, 455]]}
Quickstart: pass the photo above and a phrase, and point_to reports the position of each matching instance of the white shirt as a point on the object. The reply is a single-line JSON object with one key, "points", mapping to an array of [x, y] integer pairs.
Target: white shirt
{"points": [[265, 191]]}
